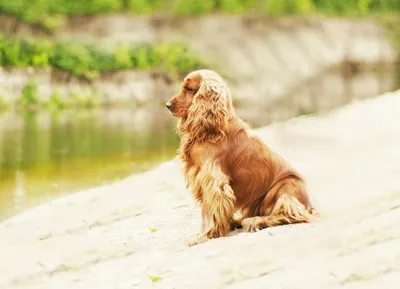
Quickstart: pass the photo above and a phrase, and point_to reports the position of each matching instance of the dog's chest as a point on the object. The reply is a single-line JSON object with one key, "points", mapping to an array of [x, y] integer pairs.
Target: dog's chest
{"points": [[202, 153], [193, 181]]}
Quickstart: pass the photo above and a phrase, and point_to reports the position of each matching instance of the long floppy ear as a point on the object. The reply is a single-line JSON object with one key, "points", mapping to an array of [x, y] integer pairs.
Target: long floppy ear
{"points": [[208, 114]]}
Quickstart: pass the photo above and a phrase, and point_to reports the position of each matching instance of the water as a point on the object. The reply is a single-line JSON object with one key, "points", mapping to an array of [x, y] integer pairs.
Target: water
{"points": [[44, 155]]}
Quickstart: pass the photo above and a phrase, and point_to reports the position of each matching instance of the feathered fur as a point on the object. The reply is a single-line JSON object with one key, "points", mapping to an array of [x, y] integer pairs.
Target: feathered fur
{"points": [[228, 168]]}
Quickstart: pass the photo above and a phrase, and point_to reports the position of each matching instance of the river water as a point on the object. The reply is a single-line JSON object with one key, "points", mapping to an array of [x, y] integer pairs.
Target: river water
{"points": [[45, 155]]}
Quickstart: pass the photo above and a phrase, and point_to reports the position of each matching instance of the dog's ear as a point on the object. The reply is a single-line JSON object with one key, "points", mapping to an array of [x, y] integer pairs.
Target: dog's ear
{"points": [[208, 115]]}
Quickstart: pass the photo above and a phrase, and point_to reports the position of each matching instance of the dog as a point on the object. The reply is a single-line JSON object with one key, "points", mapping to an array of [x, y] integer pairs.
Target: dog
{"points": [[228, 168]]}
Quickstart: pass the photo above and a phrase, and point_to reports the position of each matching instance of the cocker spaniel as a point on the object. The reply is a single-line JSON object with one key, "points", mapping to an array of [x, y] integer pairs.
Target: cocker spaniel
{"points": [[228, 168]]}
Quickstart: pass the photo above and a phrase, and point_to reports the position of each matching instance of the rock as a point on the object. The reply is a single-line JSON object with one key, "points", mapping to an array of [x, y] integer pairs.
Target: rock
{"points": [[112, 87]]}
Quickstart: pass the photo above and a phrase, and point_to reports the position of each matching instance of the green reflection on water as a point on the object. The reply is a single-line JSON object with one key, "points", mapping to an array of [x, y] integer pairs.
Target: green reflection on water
{"points": [[45, 155]]}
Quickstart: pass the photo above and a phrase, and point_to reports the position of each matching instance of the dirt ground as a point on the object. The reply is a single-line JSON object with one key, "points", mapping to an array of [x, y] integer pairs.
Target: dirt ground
{"points": [[131, 234]]}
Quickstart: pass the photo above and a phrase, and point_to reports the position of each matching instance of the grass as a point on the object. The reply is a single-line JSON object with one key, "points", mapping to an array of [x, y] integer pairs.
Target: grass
{"points": [[154, 279]]}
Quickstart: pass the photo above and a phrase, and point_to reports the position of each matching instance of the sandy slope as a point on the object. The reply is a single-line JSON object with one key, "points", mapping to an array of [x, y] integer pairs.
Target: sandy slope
{"points": [[115, 236]]}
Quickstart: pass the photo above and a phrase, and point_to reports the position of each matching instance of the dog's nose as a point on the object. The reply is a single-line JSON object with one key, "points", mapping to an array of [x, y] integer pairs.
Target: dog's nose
{"points": [[169, 105]]}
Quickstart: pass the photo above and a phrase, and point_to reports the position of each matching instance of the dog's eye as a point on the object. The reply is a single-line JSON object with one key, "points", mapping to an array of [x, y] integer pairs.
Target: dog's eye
{"points": [[188, 89]]}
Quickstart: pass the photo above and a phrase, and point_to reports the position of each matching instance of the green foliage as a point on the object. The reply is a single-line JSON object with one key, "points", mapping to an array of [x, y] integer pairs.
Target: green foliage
{"points": [[231, 6], [82, 99], [123, 57], [15, 53], [76, 59], [391, 24], [154, 279], [192, 7], [278, 7], [29, 94], [139, 6], [88, 61], [337, 7], [51, 14], [174, 57], [3, 102], [304, 6], [89, 100], [56, 101], [52, 22], [356, 6], [282, 7]]}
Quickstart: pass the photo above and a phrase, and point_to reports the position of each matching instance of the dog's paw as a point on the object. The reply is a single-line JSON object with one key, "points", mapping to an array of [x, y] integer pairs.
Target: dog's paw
{"points": [[196, 239], [235, 225], [254, 224]]}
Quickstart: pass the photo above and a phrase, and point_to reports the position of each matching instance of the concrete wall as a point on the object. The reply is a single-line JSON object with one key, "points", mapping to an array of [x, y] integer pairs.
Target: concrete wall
{"points": [[261, 58]]}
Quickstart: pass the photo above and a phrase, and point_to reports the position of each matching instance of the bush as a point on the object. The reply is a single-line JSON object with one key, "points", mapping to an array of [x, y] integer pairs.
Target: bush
{"points": [[139, 6], [83, 99], [356, 6], [76, 59], [281, 7], [29, 94], [337, 7], [192, 7], [89, 61], [48, 12], [231, 6], [56, 101]]}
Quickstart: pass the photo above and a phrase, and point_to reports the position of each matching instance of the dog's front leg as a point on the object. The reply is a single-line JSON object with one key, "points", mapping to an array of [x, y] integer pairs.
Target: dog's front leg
{"points": [[218, 202]]}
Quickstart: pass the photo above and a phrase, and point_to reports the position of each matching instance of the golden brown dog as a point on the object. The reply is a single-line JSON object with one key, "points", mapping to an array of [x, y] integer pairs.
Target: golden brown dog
{"points": [[228, 168]]}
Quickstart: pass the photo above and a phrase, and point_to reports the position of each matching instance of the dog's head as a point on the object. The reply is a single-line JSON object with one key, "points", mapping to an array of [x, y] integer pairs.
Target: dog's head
{"points": [[203, 104]]}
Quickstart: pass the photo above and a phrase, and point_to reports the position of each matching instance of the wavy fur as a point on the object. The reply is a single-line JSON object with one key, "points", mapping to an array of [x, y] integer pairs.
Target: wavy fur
{"points": [[228, 168]]}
